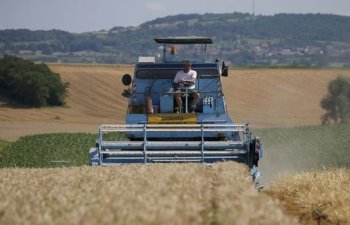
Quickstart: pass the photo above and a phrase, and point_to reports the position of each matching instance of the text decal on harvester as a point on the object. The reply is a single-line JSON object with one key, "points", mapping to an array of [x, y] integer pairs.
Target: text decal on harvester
{"points": [[172, 119]]}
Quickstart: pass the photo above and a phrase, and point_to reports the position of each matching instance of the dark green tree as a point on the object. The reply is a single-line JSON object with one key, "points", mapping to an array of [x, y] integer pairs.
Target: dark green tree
{"points": [[337, 101], [31, 84]]}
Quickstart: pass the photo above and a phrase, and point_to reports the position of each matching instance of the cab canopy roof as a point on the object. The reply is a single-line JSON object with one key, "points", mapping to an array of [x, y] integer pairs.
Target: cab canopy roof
{"points": [[184, 40]]}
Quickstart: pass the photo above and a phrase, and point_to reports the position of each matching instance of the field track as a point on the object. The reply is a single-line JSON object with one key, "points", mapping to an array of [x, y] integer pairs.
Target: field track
{"points": [[153, 194], [264, 97]]}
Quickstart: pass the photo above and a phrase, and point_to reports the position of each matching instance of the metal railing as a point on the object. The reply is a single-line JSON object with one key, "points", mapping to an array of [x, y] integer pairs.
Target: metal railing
{"points": [[145, 150]]}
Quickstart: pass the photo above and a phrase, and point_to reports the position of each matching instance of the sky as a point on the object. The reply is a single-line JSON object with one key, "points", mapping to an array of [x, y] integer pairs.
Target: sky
{"points": [[94, 15]]}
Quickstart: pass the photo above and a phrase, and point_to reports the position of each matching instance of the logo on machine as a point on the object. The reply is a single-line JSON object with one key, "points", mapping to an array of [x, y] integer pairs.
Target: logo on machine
{"points": [[172, 119]]}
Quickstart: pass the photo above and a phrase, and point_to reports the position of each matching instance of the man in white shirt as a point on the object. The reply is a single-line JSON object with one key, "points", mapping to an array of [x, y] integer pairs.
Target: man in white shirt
{"points": [[183, 78]]}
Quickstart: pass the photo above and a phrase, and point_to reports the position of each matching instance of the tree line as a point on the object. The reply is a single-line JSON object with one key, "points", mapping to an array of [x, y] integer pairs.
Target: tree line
{"points": [[232, 31]]}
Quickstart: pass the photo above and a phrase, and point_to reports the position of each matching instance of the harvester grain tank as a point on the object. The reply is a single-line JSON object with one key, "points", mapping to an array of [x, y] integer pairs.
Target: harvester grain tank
{"points": [[156, 131]]}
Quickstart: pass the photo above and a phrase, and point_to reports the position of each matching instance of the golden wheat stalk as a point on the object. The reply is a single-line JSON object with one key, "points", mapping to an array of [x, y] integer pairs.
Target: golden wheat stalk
{"points": [[321, 197], [136, 194]]}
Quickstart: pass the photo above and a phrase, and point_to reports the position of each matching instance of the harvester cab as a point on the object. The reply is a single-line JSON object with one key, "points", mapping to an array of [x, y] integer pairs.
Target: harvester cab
{"points": [[157, 131]]}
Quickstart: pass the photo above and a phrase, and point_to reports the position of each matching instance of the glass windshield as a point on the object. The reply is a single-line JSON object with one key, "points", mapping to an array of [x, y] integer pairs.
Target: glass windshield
{"points": [[170, 73]]}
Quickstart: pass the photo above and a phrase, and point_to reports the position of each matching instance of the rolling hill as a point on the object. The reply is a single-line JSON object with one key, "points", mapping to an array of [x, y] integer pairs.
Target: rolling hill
{"points": [[284, 39]]}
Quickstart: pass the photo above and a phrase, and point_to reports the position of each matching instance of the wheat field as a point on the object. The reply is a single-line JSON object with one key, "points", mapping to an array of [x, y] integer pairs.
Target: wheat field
{"points": [[175, 193], [136, 194], [319, 197], [265, 98]]}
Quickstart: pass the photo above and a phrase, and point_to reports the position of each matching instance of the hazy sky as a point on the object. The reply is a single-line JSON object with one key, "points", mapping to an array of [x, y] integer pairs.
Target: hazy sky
{"points": [[93, 15]]}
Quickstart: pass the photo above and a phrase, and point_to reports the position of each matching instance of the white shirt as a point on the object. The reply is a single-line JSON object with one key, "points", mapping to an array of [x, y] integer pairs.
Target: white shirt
{"points": [[181, 75]]}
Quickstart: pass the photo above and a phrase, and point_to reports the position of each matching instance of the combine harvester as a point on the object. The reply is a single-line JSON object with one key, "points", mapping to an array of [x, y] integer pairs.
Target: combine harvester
{"points": [[156, 131]]}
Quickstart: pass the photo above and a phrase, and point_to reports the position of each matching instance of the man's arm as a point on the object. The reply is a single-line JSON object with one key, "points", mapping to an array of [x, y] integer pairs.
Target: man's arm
{"points": [[176, 82], [193, 79]]}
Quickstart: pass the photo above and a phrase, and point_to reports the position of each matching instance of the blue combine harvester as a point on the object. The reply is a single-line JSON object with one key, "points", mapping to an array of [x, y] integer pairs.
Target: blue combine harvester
{"points": [[157, 131]]}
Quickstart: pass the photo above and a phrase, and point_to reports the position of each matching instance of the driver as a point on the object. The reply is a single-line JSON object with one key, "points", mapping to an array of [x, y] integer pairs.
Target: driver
{"points": [[183, 78]]}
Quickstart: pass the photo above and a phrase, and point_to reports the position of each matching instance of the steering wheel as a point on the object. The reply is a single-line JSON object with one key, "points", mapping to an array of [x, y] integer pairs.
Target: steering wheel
{"points": [[187, 83]]}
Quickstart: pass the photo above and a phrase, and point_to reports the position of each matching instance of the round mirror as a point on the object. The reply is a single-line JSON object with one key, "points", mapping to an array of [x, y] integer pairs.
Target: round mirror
{"points": [[126, 79]]}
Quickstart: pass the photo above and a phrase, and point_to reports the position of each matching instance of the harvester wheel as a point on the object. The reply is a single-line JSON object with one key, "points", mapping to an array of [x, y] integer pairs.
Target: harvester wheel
{"points": [[254, 154]]}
